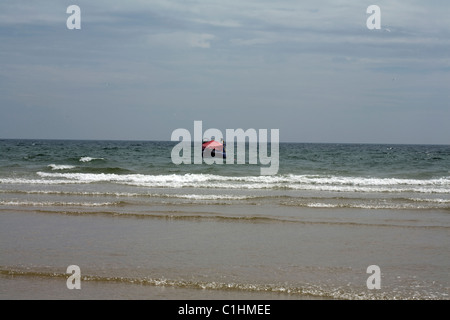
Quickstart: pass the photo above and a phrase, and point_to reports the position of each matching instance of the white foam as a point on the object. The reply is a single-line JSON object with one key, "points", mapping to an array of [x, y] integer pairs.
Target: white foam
{"points": [[209, 197], [321, 205], [290, 182], [358, 205], [61, 166], [89, 159], [52, 203], [35, 181], [430, 200]]}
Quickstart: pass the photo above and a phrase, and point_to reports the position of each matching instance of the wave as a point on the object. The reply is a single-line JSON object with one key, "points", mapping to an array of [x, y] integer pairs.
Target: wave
{"points": [[430, 200], [219, 198], [179, 215], [61, 166], [89, 159], [57, 203], [397, 203], [305, 290], [209, 197], [200, 197], [35, 181], [290, 182], [394, 206]]}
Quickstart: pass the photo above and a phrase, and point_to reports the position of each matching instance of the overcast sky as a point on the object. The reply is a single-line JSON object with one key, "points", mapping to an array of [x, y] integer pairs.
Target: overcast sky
{"points": [[141, 69]]}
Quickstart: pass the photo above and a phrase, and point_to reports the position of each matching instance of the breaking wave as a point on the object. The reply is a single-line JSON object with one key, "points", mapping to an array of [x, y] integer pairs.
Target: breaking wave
{"points": [[56, 203], [305, 290], [89, 159], [61, 166], [290, 181]]}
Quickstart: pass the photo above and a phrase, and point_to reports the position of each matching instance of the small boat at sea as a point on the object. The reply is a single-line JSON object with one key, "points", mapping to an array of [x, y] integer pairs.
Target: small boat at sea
{"points": [[213, 148]]}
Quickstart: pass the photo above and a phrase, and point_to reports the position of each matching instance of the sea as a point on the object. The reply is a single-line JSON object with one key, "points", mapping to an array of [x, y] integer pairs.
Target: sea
{"points": [[337, 221]]}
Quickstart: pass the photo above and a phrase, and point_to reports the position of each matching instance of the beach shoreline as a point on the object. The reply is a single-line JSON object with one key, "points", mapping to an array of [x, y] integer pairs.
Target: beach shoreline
{"points": [[316, 230]]}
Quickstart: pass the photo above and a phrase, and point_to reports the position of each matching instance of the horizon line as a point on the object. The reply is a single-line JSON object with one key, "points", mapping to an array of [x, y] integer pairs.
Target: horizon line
{"points": [[285, 142]]}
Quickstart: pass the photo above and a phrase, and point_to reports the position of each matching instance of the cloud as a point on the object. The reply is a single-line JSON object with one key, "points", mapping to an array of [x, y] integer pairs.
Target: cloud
{"points": [[200, 40], [219, 23], [290, 61], [181, 40]]}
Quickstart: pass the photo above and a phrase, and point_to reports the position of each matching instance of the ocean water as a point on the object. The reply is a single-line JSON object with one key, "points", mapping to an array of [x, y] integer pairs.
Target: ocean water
{"points": [[140, 227]]}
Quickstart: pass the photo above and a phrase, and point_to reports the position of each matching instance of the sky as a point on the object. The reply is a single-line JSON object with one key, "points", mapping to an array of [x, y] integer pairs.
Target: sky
{"points": [[138, 70]]}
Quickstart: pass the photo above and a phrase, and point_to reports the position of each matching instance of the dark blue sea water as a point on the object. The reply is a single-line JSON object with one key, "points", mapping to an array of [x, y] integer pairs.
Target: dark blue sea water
{"points": [[410, 164], [126, 214], [410, 171]]}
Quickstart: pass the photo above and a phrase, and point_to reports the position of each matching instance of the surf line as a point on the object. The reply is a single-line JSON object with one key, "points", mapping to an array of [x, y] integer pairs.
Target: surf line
{"points": [[257, 145]]}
